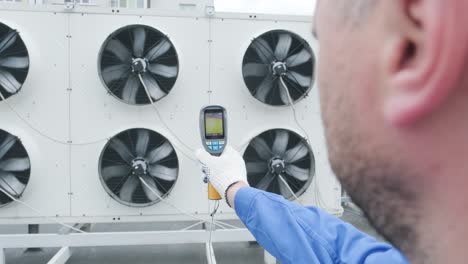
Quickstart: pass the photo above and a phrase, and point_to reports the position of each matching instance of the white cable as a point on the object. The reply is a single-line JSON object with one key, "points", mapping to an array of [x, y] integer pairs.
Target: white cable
{"points": [[163, 122], [62, 142], [39, 212], [317, 193], [290, 190], [210, 239], [291, 103]]}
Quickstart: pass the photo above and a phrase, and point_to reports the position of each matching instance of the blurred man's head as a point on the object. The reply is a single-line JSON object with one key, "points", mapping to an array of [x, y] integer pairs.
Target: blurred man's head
{"points": [[393, 78]]}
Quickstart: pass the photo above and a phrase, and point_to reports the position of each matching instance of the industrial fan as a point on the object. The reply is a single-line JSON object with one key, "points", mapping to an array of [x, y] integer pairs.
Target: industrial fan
{"points": [[15, 167], [134, 154], [274, 55], [138, 50], [277, 157], [14, 61]]}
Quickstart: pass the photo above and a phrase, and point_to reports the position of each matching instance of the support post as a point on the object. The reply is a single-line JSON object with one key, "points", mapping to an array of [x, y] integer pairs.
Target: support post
{"points": [[268, 258], [33, 229], [62, 256], [2, 256]]}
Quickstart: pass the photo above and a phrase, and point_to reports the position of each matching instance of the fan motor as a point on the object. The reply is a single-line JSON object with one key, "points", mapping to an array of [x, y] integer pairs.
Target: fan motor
{"points": [[139, 167], [277, 166], [139, 65], [279, 68]]}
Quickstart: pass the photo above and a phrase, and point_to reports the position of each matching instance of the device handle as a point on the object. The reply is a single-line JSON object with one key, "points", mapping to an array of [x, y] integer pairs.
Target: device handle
{"points": [[213, 195]]}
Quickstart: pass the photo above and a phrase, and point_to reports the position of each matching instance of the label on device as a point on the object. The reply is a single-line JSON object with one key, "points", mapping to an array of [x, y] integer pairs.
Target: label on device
{"points": [[214, 124]]}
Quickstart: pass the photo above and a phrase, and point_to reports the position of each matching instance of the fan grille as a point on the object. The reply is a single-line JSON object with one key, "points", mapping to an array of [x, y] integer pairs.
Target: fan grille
{"points": [[14, 61], [138, 50], [15, 168], [276, 153], [133, 154], [278, 54]]}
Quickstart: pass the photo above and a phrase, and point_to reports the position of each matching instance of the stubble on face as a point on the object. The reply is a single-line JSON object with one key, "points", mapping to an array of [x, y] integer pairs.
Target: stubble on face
{"points": [[376, 180]]}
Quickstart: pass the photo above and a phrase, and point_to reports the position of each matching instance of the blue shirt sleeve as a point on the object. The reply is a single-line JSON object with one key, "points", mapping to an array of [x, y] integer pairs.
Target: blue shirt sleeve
{"points": [[300, 235]]}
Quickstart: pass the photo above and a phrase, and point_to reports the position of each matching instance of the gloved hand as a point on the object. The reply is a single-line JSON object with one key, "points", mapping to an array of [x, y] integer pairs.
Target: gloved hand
{"points": [[223, 171]]}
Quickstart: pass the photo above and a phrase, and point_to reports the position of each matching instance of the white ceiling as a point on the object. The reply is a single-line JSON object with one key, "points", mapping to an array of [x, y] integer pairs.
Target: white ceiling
{"points": [[299, 7]]}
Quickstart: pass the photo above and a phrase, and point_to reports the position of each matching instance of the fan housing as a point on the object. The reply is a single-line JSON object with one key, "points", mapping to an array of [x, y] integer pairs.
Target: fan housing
{"points": [[14, 61], [138, 50], [276, 55], [134, 154], [280, 152], [15, 167]]}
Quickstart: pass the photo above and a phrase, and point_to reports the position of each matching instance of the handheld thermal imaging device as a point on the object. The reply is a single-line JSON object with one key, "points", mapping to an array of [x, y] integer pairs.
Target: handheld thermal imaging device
{"points": [[213, 127]]}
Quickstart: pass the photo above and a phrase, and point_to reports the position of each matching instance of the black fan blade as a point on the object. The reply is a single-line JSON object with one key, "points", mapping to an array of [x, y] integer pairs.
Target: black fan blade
{"points": [[281, 142], [122, 150], [302, 80], [159, 50], [15, 62], [264, 51], [8, 40], [9, 82], [162, 172], [299, 58], [115, 73], [117, 48], [296, 153], [159, 153], [15, 164], [130, 90], [256, 167], [139, 38], [265, 182], [264, 88], [142, 142], [115, 172], [7, 144], [262, 148], [10, 184], [163, 70], [255, 70], [283, 46], [298, 173], [153, 87], [128, 189]]}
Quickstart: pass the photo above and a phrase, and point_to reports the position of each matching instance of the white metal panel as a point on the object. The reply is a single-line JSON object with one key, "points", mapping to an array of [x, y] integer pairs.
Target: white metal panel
{"points": [[43, 103], [92, 115], [97, 115]]}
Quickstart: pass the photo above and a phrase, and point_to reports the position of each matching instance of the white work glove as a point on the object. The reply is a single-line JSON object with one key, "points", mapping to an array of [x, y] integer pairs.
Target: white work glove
{"points": [[223, 171]]}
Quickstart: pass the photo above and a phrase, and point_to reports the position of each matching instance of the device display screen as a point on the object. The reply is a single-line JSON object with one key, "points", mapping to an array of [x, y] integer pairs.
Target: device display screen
{"points": [[214, 125]]}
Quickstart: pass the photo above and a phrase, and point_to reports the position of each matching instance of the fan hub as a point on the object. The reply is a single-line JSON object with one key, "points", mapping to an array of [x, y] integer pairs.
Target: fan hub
{"points": [[277, 166], [279, 68], [139, 166], [139, 65]]}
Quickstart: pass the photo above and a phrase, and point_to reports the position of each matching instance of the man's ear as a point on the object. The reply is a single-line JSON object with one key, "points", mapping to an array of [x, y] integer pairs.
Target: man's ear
{"points": [[424, 57]]}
